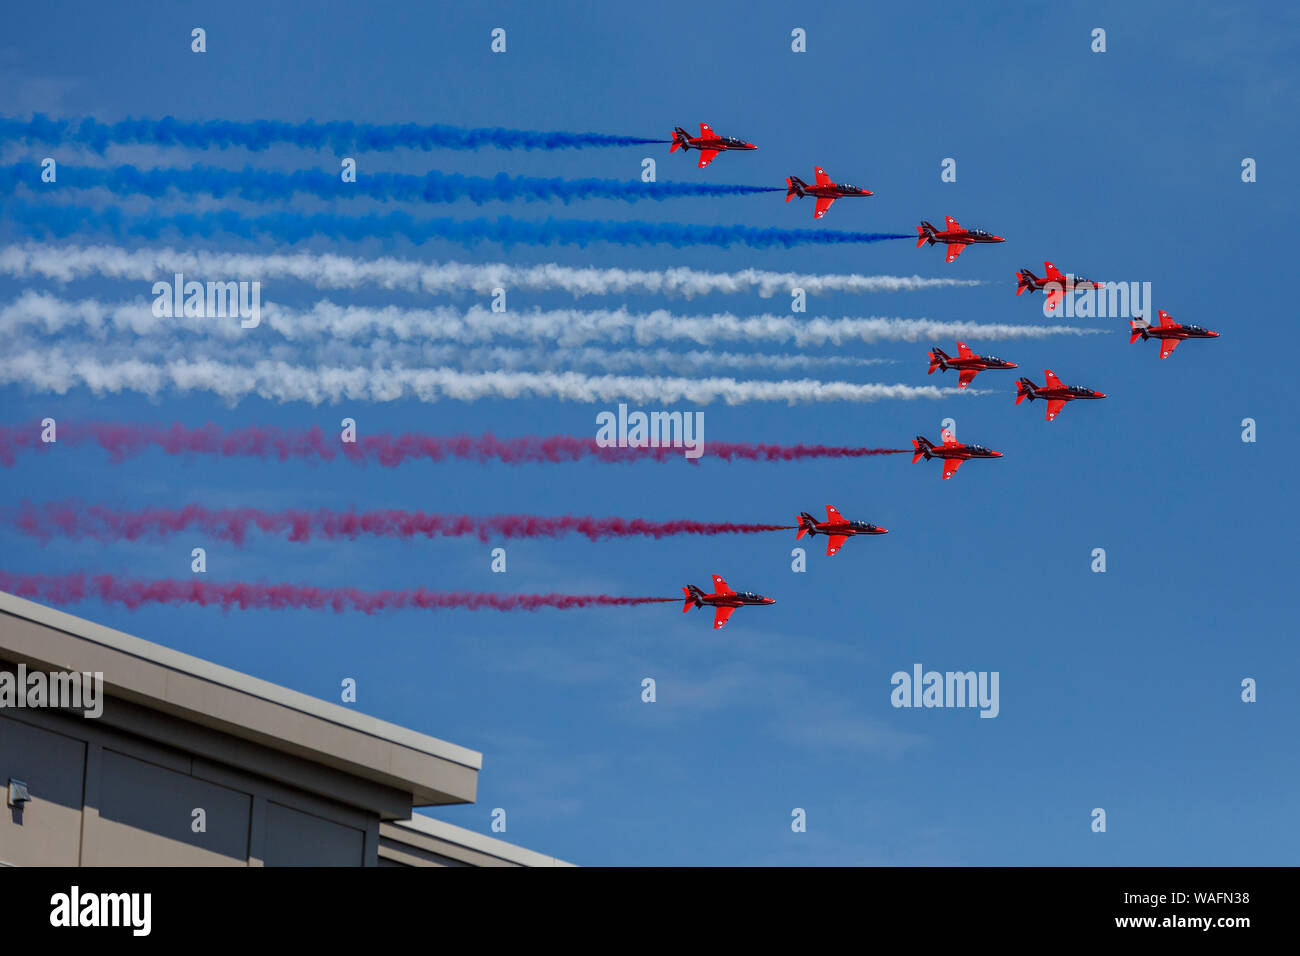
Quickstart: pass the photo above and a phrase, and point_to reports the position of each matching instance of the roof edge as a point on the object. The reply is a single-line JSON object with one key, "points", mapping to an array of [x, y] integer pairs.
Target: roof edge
{"points": [[234, 680], [431, 826]]}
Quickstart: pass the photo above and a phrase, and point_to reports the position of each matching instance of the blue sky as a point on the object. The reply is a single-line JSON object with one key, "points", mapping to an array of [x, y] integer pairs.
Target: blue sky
{"points": [[1118, 690]]}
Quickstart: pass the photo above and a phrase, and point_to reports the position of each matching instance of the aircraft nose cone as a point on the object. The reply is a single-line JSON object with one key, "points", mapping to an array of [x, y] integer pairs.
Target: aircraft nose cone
{"points": [[997, 454], [1214, 335], [1012, 365], [1101, 394], [880, 530]]}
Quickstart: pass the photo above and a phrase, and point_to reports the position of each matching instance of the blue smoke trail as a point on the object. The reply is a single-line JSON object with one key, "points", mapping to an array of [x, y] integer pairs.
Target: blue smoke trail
{"points": [[258, 135], [263, 185], [61, 221]]}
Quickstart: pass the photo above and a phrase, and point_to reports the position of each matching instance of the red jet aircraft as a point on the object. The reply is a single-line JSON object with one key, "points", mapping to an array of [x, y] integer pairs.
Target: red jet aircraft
{"points": [[1061, 284], [836, 528], [1055, 393], [954, 235], [825, 191], [708, 143], [967, 363], [723, 598], [951, 451], [1169, 332]]}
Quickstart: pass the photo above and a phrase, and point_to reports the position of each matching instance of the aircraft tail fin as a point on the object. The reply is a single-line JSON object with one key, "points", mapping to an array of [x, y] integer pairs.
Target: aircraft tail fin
{"points": [[938, 359], [1024, 389], [680, 137], [1139, 329], [925, 233], [794, 187], [921, 448], [1025, 281], [692, 597], [806, 523]]}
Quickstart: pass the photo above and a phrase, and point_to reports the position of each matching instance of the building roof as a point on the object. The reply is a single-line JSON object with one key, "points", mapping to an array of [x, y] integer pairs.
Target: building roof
{"points": [[440, 838], [432, 771]]}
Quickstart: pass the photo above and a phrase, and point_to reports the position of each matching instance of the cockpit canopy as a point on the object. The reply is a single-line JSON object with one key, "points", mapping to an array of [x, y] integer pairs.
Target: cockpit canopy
{"points": [[1080, 390], [749, 595], [977, 448], [980, 232], [1193, 328], [732, 141]]}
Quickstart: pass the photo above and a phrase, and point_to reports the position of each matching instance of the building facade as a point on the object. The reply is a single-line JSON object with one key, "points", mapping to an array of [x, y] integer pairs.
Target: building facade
{"points": [[193, 764]]}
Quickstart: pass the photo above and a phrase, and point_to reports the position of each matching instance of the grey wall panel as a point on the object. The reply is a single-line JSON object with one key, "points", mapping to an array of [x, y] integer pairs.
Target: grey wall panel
{"points": [[294, 838], [146, 814], [48, 830]]}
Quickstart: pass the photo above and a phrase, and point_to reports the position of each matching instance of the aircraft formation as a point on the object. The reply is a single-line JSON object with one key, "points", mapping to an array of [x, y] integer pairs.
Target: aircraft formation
{"points": [[1169, 332], [823, 188], [967, 363], [723, 600], [1053, 392], [955, 237], [708, 143], [836, 528], [1060, 284]]}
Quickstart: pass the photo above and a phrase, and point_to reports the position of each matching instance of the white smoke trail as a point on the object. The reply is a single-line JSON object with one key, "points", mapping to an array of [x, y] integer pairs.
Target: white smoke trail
{"points": [[622, 360], [66, 263], [478, 324], [53, 370], [19, 334]]}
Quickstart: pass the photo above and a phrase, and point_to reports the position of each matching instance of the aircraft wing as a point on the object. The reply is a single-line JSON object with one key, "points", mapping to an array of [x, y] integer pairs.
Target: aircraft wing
{"points": [[947, 437], [833, 514], [1167, 347], [720, 586], [834, 543], [1052, 271], [706, 157], [823, 204], [954, 250], [706, 131], [951, 224], [1165, 318], [1051, 381], [966, 377], [963, 351], [720, 618], [950, 466], [1054, 298], [1054, 406], [822, 178]]}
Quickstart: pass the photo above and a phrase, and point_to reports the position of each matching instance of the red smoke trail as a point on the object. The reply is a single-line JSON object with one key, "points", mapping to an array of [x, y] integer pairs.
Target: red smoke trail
{"points": [[122, 441], [79, 586], [77, 520]]}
